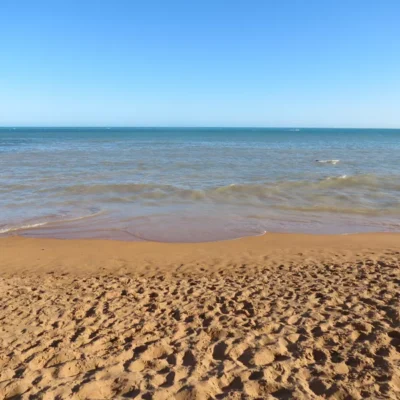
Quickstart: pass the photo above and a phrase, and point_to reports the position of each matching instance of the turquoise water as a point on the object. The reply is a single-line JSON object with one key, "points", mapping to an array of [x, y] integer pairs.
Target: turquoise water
{"points": [[181, 184]]}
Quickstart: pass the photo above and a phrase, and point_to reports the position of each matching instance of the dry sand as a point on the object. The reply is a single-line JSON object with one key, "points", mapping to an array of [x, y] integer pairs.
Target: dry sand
{"points": [[274, 317]]}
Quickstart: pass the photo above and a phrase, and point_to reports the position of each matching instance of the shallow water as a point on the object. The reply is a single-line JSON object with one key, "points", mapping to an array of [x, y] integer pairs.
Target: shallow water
{"points": [[181, 184]]}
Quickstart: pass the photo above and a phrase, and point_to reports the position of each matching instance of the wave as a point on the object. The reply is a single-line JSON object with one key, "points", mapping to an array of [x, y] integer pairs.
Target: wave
{"points": [[22, 227], [337, 209], [159, 191], [356, 193], [366, 181], [114, 188], [27, 226]]}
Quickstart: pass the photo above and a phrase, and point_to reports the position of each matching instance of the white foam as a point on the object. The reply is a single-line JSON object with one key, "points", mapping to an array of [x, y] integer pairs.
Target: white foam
{"points": [[36, 225], [334, 162], [337, 177], [17, 228]]}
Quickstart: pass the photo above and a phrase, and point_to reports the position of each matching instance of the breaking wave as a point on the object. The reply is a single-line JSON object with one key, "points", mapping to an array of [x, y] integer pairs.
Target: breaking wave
{"points": [[365, 181], [364, 191], [27, 226], [334, 162]]}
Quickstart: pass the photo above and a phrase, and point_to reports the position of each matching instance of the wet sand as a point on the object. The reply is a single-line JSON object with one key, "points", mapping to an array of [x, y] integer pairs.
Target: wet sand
{"points": [[273, 317]]}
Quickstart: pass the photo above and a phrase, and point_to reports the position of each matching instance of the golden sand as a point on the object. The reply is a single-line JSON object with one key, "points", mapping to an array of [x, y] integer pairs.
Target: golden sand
{"points": [[274, 317]]}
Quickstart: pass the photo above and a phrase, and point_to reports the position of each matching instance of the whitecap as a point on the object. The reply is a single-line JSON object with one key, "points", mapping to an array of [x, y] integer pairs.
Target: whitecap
{"points": [[333, 162], [337, 177]]}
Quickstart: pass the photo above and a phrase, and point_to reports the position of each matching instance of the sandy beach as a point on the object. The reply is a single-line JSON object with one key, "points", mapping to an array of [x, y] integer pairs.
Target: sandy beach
{"points": [[278, 316]]}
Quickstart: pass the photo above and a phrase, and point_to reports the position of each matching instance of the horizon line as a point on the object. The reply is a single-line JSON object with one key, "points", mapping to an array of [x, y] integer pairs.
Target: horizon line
{"points": [[179, 127]]}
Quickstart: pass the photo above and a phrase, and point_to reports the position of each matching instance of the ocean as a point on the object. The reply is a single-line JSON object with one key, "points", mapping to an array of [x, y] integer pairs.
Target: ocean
{"points": [[197, 184]]}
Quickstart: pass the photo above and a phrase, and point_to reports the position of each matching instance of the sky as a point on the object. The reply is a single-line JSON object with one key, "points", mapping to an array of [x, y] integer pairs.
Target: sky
{"points": [[314, 63]]}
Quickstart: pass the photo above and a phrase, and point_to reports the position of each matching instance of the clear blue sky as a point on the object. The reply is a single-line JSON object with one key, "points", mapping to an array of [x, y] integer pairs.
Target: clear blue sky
{"points": [[200, 63]]}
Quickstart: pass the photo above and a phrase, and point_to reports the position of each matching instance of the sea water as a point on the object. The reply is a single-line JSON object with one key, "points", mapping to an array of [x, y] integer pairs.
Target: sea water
{"points": [[197, 184]]}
